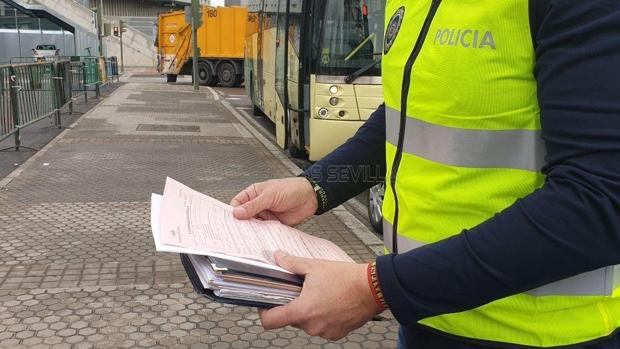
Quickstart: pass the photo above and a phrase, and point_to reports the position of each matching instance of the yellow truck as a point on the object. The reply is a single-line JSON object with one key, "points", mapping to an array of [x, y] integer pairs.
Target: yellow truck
{"points": [[221, 41]]}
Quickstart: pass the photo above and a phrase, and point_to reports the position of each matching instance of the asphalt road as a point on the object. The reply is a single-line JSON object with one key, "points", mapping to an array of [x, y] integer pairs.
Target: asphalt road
{"points": [[238, 99]]}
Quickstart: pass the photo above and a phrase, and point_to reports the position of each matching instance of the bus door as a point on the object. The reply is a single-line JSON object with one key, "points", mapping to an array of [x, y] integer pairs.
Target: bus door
{"points": [[297, 79], [290, 79], [281, 117], [258, 83]]}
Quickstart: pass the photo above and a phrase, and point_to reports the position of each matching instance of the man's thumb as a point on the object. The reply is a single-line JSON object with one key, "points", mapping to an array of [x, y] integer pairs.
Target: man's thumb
{"points": [[251, 208], [296, 265]]}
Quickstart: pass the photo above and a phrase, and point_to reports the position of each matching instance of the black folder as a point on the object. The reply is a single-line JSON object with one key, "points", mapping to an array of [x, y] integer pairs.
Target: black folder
{"points": [[210, 294]]}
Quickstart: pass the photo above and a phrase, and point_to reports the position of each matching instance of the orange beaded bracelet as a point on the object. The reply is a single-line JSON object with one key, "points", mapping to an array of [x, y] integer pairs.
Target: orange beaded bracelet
{"points": [[375, 288]]}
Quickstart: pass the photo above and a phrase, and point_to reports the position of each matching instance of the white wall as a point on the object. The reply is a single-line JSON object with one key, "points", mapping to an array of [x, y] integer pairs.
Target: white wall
{"points": [[138, 50]]}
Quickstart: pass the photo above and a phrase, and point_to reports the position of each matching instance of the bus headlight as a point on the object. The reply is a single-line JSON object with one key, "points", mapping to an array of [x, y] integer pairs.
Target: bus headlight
{"points": [[333, 89], [333, 101], [323, 113]]}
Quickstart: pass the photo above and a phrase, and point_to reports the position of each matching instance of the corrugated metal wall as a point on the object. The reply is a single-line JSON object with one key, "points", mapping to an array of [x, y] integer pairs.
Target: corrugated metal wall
{"points": [[86, 44], [68, 43], [145, 8], [133, 8], [28, 39], [34, 31]]}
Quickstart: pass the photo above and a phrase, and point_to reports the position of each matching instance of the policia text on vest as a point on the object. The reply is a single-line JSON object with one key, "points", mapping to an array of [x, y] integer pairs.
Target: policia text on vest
{"points": [[466, 38]]}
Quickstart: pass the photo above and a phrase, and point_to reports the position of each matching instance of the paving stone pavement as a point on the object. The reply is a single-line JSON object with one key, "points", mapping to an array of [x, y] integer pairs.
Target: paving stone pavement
{"points": [[78, 268], [38, 134]]}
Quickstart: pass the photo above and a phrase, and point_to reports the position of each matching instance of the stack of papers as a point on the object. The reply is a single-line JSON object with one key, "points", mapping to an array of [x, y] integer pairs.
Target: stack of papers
{"points": [[244, 284], [230, 260]]}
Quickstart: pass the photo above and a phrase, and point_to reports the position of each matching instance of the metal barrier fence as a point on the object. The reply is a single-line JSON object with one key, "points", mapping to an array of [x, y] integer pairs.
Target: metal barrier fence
{"points": [[78, 82], [110, 64], [32, 59], [6, 109], [35, 91], [31, 92], [64, 95], [94, 78]]}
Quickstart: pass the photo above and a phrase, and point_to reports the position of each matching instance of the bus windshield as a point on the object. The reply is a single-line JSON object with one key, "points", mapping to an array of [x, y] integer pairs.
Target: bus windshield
{"points": [[350, 37]]}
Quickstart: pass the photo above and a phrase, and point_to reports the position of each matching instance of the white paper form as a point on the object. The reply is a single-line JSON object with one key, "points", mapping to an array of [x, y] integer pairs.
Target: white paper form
{"points": [[156, 203], [190, 220]]}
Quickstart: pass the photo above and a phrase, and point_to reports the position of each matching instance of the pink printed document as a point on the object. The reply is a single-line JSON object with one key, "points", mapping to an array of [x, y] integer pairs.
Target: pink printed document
{"points": [[187, 221]]}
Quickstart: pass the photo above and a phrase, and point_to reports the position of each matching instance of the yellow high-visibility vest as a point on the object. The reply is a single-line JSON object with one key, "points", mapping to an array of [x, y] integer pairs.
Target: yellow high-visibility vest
{"points": [[463, 143]]}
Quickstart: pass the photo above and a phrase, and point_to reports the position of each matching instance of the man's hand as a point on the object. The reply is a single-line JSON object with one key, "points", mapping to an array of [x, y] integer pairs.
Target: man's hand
{"points": [[335, 299], [289, 200]]}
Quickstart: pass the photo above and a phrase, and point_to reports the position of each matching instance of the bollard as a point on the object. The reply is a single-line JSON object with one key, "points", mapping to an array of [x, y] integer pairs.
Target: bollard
{"points": [[97, 90], [84, 83], [13, 91]]}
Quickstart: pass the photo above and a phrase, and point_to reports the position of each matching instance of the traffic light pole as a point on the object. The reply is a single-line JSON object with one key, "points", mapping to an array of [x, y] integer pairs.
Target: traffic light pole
{"points": [[100, 25], [196, 18], [121, 29]]}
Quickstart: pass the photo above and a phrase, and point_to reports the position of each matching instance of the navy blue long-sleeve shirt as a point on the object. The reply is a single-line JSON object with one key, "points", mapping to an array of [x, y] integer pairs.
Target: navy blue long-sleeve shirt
{"points": [[569, 226]]}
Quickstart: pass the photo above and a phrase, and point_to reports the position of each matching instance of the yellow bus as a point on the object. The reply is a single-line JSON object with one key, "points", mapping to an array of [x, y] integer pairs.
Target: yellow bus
{"points": [[313, 68]]}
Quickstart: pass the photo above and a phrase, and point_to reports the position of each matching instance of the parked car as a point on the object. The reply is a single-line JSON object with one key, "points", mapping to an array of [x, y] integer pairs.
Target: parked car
{"points": [[41, 52], [375, 203]]}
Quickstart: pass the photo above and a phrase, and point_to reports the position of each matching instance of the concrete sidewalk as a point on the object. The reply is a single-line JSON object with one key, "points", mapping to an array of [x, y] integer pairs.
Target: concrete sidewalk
{"points": [[38, 134], [78, 268]]}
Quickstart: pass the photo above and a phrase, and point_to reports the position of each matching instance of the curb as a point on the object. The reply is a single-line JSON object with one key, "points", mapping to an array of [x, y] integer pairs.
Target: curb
{"points": [[347, 218], [275, 151]]}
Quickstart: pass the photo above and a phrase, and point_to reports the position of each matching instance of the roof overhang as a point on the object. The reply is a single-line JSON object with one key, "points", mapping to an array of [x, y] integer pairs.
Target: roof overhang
{"points": [[36, 10]]}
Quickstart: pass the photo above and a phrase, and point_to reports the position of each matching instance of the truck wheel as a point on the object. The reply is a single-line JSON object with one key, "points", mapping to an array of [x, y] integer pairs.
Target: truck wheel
{"points": [[238, 80], [171, 77], [226, 74], [205, 75], [213, 81]]}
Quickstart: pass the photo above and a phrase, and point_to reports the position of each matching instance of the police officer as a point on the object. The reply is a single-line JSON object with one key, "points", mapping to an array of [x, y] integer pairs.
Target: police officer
{"points": [[500, 144]]}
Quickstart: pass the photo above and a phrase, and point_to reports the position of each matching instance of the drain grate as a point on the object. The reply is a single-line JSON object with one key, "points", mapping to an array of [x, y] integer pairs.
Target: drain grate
{"points": [[167, 128]]}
